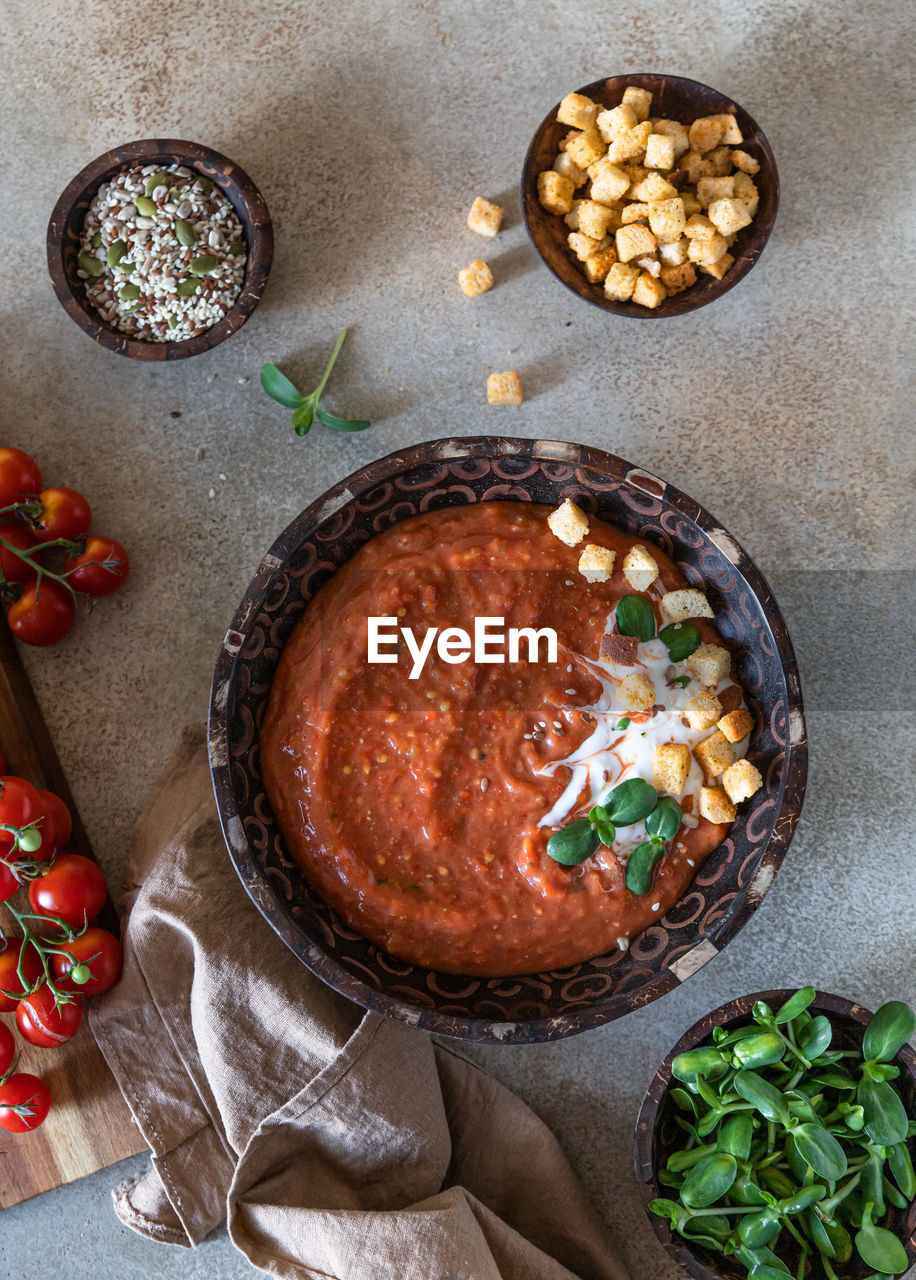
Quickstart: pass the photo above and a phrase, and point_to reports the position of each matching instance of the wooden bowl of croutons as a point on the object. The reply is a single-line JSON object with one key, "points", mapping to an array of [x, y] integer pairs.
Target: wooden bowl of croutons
{"points": [[649, 195]]}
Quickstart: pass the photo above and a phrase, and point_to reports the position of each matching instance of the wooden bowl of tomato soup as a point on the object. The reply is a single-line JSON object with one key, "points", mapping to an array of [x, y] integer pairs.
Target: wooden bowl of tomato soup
{"points": [[392, 827]]}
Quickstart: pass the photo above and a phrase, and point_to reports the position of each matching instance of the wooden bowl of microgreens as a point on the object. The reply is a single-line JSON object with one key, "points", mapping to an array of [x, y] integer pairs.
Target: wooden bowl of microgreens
{"points": [[66, 250], [778, 1137]]}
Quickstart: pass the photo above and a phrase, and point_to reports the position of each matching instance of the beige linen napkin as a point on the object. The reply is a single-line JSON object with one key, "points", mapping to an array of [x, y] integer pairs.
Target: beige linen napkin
{"points": [[334, 1142]]}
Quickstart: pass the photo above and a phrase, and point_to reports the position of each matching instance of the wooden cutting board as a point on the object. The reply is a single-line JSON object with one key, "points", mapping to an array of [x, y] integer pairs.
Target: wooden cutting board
{"points": [[89, 1125]]}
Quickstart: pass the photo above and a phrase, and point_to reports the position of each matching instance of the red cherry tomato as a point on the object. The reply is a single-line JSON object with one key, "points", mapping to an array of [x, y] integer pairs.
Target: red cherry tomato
{"points": [[11, 566], [99, 569], [20, 805], [64, 514], [9, 975], [19, 476], [44, 1023], [42, 615], [95, 954], [55, 826], [8, 883], [73, 889], [24, 1103], [7, 1048]]}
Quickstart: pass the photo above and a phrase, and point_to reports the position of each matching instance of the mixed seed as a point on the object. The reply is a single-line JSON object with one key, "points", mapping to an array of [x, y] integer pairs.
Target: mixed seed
{"points": [[162, 253]]}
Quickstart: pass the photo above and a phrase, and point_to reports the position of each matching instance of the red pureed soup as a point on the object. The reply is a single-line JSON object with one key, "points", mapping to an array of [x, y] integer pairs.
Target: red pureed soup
{"points": [[423, 809]]}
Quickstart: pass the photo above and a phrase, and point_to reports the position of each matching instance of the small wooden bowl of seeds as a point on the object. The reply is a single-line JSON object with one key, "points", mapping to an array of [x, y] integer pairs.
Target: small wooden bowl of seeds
{"points": [[160, 249]]}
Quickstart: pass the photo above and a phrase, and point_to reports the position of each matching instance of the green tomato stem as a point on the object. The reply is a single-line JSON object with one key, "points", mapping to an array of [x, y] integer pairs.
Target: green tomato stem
{"points": [[40, 570]]}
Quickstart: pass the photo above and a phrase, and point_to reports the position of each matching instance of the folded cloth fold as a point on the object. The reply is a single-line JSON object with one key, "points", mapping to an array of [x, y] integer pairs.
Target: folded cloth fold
{"points": [[334, 1143]]}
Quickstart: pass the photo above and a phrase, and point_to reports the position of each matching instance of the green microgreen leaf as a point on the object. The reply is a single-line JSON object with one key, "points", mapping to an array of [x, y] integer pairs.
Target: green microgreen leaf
{"points": [[641, 866], [302, 418], [665, 819], [889, 1030], [305, 408], [622, 723], [630, 802], [794, 1005], [279, 387], [574, 843], [341, 424], [635, 617]]}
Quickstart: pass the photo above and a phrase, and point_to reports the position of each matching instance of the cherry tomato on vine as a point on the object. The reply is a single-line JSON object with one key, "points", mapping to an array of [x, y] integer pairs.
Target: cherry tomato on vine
{"points": [[20, 805], [24, 1102], [7, 1048], [42, 615], [9, 975], [99, 569], [8, 883], [12, 567], [19, 476], [45, 1023], [73, 889], [64, 514], [97, 956], [55, 826]]}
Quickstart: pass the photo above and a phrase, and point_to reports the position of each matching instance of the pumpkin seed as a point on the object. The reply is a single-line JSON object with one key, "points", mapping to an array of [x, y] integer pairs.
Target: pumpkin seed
{"points": [[185, 233], [145, 206], [129, 292], [205, 184], [237, 247], [203, 265], [173, 322], [116, 252], [186, 288], [155, 180], [91, 265], [96, 240]]}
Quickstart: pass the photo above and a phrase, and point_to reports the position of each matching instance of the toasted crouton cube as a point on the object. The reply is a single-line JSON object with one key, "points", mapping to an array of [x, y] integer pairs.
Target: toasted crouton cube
{"points": [[691, 203], [630, 145], [555, 192], [652, 189], [639, 567], [746, 192], [715, 805], [578, 110], [695, 166], [710, 189], [721, 160], [678, 606], [678, 278], [594, 219], [583, 246], [667, 220], [475, 279], [633, 241], [639, 99], [698, 225], [736, 724], [598, 264], [674, 253], [634, 212], [596, 564], [731, 133], [659, 152], [705, 133], [485, 218], [585, 148], [741, 780], [608, 182], [714, 754], [649, 291], [676, 132], [718, 268], [569, 523], [709, 664], [620, 282], [671, 767], [572, 218], [704, 250], [703, 710], [636, 173], [637, 692], [504, 388], [652, 265], [611, 124], [746, 163], [728, 216], [563, 165]]}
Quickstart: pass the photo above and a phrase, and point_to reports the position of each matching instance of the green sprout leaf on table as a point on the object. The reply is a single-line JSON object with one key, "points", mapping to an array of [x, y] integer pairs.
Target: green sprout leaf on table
{"points": [[306, 408]]}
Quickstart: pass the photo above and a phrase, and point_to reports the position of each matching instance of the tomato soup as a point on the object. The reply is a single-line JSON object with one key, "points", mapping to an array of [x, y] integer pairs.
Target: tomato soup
{"points": [[421, 808]]}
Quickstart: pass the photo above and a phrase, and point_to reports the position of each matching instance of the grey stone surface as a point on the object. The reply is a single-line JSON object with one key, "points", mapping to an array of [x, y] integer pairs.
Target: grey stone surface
{"points": [[370, 127]]}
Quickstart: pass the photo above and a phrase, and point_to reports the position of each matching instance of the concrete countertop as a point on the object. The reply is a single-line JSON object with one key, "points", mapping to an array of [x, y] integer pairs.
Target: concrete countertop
{"points": [[370, 127]]}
